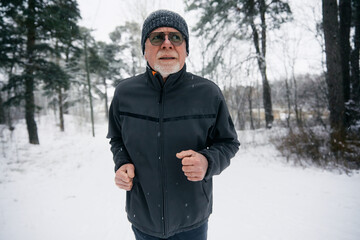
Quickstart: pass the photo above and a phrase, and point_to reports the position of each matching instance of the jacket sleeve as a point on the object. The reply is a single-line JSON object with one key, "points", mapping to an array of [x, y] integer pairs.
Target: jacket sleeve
{"points": [[222, 141], [118, 149]]}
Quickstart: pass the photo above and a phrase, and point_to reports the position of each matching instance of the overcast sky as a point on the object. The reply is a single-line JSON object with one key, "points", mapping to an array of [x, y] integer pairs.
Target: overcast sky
{"points": [[104, 15]]}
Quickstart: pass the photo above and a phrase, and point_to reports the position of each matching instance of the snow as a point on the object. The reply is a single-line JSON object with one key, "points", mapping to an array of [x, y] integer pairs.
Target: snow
{"points": [[64, 189]]}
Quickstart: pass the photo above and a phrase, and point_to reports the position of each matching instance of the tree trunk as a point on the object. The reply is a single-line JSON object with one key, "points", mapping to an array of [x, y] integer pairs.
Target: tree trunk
{"points": [[345, 23], [2, 112], [89, 87], [355, 73], [334, 73], [250, 108], [240, 103], [67, 51], [288, 102], [60, 98], [261, 55], [106, 99], [29, 79], [296, 107], [61, 110]]}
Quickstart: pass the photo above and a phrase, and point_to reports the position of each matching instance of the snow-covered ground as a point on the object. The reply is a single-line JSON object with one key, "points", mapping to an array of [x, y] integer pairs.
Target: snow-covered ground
{"points": [[64, 189]]}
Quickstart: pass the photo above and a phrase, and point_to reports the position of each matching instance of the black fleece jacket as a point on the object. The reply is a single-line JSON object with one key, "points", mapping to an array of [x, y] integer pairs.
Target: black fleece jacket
{"points": [[149, 122]]}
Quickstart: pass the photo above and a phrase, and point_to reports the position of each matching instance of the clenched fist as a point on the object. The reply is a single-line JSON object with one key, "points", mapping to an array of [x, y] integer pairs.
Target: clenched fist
{"points": [[124, 176], [194, 164]]}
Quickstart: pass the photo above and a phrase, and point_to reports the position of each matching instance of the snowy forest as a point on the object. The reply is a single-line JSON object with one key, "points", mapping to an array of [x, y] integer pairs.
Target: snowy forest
{"points": [[57, 81], [52, 65]]}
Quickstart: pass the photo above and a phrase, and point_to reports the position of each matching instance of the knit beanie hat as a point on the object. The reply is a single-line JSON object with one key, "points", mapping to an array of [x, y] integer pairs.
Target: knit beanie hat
{"points": [[164, 18]]}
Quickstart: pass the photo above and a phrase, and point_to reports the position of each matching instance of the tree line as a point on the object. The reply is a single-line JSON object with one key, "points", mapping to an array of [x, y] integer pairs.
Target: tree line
{"points": [[43, 49], [335, 90]]}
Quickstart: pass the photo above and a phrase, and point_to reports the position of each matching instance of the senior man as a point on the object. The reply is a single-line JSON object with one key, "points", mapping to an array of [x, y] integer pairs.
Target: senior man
{"points": [[170, 132]]}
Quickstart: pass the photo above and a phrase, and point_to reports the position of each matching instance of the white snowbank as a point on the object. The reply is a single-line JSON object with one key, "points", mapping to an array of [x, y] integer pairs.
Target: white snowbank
{"points": [[64, 189]]}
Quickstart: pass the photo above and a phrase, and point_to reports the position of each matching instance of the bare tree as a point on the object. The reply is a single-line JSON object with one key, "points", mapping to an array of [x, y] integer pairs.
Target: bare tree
{"points": [[252, 19]]}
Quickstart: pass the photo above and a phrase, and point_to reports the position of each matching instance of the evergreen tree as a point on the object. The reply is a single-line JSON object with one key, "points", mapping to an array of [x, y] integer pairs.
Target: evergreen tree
{"points": [[100, 57], [130, 37], [116, 60], [126, 38], [93, 66], [36, 24], [11, 46], [64, 15]]}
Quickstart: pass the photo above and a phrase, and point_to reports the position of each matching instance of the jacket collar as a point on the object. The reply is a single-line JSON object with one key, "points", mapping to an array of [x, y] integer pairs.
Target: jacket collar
{"points": [[156, 80]]}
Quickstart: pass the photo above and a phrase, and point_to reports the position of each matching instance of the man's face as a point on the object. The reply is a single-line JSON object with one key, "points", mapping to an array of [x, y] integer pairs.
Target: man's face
{"points": [[166, 58]]}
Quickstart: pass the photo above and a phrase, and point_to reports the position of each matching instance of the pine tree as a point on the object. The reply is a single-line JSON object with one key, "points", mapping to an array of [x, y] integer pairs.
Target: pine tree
{"points": [[127, 38], [100, 58], [64, 16], [11, 46], [36, 24]]}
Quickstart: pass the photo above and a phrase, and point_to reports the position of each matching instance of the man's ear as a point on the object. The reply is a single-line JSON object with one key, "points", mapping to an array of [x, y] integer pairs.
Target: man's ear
{"points": [[145, 56]]}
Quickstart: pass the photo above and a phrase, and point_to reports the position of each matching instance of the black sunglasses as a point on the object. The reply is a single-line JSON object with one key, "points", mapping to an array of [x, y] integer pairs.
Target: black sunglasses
{"points": [[157, 38]]}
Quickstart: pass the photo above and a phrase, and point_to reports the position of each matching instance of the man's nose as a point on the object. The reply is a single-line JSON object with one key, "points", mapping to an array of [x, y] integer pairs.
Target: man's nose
{"points": [[167, 44]]}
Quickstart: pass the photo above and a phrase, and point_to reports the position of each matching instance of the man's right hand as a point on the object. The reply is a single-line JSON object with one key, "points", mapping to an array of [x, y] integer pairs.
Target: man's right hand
{"points": [[124, 176]]}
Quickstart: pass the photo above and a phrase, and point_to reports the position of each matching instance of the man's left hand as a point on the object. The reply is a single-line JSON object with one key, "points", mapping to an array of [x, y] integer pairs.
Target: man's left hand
{"points": [[194, 164]]}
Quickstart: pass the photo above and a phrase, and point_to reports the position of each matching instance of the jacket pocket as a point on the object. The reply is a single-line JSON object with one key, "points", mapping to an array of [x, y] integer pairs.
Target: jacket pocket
{"points": [[206, 187], [130, 196]]}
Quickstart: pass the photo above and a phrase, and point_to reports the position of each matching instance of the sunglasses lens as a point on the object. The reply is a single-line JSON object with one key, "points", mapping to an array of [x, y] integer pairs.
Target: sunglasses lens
{"points": [[157, 38], [176, 38]]}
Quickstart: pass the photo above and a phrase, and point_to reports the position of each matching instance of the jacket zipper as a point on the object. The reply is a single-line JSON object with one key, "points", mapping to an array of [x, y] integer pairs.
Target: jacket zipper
{"points": [[161, 147]]}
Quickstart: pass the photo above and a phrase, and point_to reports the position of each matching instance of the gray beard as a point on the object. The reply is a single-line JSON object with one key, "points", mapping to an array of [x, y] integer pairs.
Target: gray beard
{"points": [[166, 71]]}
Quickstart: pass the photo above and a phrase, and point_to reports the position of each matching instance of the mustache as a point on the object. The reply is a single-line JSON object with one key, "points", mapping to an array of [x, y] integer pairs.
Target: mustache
{"points": [[166, 54]]}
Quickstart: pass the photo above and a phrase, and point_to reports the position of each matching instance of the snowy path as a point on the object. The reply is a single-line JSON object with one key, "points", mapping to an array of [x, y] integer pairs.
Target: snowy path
{"points": [[63, 189]]}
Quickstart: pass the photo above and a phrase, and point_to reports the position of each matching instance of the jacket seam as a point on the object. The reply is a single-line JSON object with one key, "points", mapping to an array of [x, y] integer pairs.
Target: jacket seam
{"points": [[169, 119], [140, 116], [188, 117]]}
